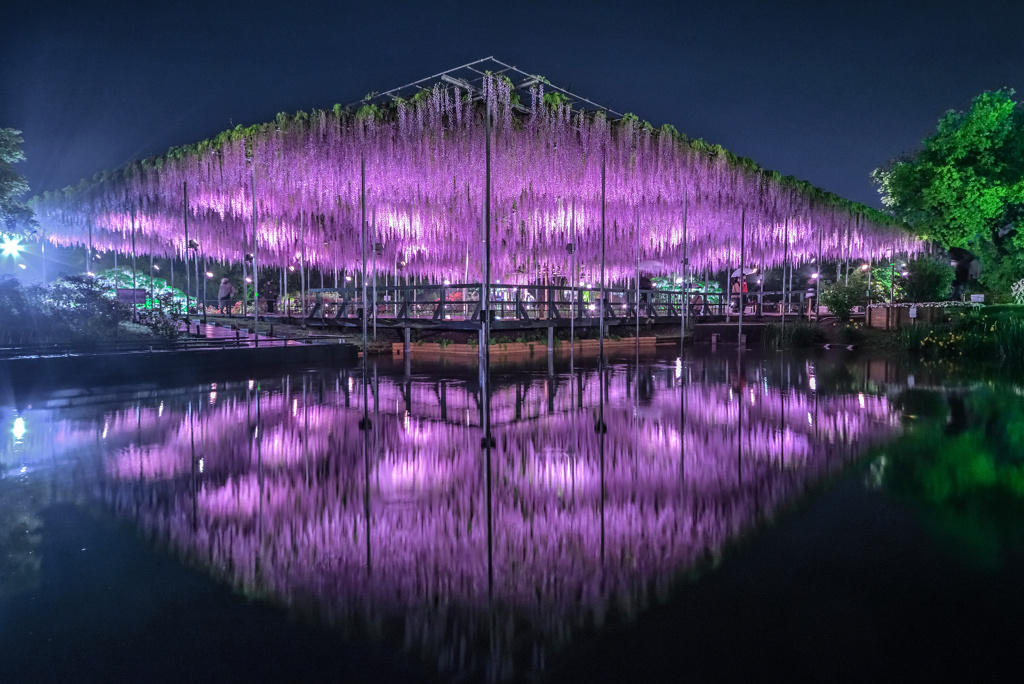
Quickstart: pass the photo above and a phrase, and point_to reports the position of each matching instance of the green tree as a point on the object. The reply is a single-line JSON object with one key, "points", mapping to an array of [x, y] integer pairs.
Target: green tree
{"points": [[965, 186], [15, 215]]}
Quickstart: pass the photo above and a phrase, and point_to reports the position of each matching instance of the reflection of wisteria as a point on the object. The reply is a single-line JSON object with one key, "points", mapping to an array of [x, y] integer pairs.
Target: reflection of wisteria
{"points": [[592, 508]]}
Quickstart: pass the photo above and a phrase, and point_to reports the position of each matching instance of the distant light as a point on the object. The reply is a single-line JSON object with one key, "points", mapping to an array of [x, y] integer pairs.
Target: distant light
{"points": [[291, 268], [155, 267], [248, 279], [89, 273], [813, 383], [865, 267], [22, 266], [814, 275], [447, 282], [679, 281], [209, 274], [11, 246], [348, 279], [18, 430], [905, 274]]}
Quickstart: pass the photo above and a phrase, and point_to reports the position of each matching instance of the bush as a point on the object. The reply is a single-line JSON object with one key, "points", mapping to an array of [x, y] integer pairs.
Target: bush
{"points": [[840, 299], [795, 334], [928, 280], [75, 309]]}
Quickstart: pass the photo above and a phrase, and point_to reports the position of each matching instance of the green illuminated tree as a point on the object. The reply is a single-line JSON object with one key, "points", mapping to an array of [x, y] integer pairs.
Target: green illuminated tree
{"points": [[965, 186], [15, 215]]}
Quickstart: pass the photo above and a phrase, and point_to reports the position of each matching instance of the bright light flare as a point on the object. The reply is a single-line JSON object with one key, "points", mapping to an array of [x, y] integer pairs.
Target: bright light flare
{"points": [[11, 246], [18, 430]]}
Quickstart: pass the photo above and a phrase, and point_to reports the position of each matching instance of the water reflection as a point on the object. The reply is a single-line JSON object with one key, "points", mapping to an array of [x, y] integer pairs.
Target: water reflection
{"points": [[382, 504]]}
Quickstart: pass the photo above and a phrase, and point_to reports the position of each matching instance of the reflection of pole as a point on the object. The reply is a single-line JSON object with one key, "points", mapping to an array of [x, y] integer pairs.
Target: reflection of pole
{"points": [[600, 344], [192, 440]]}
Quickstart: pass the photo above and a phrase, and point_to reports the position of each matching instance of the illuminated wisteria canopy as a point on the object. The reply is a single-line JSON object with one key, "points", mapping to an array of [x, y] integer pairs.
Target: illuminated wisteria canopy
{"points": [[425, 185]]}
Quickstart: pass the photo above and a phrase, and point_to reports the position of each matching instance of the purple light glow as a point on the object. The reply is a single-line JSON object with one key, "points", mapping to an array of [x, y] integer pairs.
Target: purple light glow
{"points": [[424, 181]]}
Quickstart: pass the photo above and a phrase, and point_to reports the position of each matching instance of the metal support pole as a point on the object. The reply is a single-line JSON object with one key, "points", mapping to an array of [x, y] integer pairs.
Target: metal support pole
{"points": [[817, 284], [88, 252], [743, 277], [637, 303], [302, 269], [362, 245], [255, 270], [485, 293], [785, 260], [135, 304], [188, 276], [684, 305], [374, 236], [600, 344]]}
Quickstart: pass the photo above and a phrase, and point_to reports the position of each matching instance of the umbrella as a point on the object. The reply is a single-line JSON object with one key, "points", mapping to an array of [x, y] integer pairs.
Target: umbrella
{"points": [[746, 271]]}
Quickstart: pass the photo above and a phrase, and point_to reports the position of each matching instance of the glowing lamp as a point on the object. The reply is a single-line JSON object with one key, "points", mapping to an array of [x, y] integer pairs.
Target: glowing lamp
{"points": [[814, 275], [209, 274], [865, 267], [11, 246], [18, 429], [248, 279]]}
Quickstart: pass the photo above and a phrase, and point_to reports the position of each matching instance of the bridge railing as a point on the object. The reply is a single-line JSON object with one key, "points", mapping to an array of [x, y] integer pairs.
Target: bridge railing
{"points": [[461, 302]]}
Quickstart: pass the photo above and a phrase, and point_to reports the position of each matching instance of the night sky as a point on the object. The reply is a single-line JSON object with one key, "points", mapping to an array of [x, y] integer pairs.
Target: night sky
{"points": [[825, 91]]}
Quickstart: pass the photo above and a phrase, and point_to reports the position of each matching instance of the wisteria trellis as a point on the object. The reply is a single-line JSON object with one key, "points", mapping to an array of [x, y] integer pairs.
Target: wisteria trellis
{"points": [[425, 165]]}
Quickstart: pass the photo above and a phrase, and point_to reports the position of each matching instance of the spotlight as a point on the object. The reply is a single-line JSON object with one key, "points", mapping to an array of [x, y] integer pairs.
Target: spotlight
{"points": [[11, 246]]}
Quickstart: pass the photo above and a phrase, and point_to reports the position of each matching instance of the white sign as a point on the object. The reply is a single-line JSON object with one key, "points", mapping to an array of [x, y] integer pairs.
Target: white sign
{"points": [[977, 299], [913, 312]]}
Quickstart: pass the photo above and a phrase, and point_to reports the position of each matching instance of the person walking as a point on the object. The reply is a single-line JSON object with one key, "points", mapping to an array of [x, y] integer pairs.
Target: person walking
{"points": [[225, 294]]}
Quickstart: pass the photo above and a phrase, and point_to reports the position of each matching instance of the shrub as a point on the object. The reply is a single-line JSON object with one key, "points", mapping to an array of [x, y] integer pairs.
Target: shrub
{"points": [[928, 279], [795, 334], [840, 299]]}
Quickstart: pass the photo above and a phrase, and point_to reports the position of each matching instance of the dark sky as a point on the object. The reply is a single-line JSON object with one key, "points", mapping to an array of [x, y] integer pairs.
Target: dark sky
{"points": [[825, 91]]}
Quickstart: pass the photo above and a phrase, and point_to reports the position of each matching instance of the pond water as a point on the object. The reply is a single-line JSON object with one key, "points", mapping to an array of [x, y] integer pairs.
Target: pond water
{"points": [[715, 516]]}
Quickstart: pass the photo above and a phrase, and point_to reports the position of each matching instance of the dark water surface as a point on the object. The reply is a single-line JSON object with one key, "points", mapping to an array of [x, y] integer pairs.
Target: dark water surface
{"points": [[711, 518]]}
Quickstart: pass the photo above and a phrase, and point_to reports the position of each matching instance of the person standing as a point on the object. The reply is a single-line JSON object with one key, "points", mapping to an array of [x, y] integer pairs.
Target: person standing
{"points": [[225, 294], [270, 296]]}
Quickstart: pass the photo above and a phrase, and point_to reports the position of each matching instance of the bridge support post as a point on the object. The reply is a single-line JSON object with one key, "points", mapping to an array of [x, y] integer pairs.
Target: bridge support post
{"points": [[405, 341]]}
